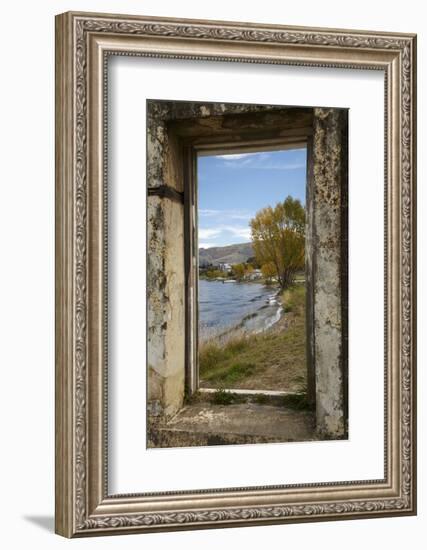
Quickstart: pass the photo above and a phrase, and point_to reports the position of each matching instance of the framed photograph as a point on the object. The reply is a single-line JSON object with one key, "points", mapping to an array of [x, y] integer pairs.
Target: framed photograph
{"points": [[235, 274]]}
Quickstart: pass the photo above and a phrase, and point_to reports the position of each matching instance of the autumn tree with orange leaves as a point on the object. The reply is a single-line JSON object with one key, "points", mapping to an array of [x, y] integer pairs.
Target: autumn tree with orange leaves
{"points": [[278, 239]]}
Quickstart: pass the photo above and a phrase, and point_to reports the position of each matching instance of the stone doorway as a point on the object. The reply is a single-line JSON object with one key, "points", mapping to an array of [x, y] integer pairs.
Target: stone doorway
{"points": [[176, 133]]}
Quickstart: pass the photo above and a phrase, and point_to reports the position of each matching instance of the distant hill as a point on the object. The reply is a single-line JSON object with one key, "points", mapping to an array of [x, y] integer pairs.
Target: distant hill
{"points": [[231, 254]]}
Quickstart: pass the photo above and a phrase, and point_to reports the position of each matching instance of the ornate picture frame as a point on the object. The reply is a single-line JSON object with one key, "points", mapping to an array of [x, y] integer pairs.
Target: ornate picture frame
{"points": [[84, 42]]}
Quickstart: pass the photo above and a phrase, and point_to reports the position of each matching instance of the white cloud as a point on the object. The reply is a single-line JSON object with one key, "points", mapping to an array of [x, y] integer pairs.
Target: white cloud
{"points": [[234, 156], [209, 233], [241, 232], [224, 233], [281, 166], [231, 214], [209, 212], [210, 245], [260, 161], [245, 217]]}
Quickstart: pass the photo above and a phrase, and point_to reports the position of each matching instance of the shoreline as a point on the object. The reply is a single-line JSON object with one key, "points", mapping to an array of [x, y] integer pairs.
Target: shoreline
{"points": [[275, 358], [260, 281], [252, 323]]}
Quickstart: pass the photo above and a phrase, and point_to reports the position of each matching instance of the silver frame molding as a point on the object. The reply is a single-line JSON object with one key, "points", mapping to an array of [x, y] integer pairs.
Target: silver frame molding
{"points": [[83, 43]]}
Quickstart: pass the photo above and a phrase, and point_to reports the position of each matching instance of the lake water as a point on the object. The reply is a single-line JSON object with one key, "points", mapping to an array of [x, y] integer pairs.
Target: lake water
{"points": [[252, 307]]}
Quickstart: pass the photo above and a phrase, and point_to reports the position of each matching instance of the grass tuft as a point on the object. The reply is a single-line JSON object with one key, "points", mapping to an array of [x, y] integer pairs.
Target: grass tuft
{"points": [[222, 397]]}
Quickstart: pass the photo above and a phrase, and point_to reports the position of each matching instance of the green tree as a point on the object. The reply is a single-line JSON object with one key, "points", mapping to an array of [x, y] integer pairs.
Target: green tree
{"points": [[278, 238], [214, 273], [238, 271], [249, 268], [252, 261], [268, 272]]}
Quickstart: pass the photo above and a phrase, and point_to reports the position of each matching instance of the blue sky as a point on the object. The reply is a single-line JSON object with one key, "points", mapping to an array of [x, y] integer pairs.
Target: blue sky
{"points": [[232, 188]]}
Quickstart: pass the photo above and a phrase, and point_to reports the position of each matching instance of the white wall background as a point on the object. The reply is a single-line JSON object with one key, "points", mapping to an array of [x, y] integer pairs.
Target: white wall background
{"points": [[27, 274], [131, 81]]}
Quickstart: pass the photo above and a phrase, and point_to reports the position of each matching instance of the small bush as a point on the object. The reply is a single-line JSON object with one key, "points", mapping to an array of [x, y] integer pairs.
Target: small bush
{"points": [[260, 398], [222, 397], [296, 401]]}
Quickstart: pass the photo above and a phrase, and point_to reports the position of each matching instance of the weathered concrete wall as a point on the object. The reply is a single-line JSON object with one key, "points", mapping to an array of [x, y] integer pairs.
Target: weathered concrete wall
{"points": [[166, 312], [328, 192], [168, 123], [165, 272]]}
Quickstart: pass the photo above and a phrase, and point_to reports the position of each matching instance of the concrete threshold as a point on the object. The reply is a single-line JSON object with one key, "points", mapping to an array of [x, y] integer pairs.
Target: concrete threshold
{"points": [[239, 391], [204, 424]]}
